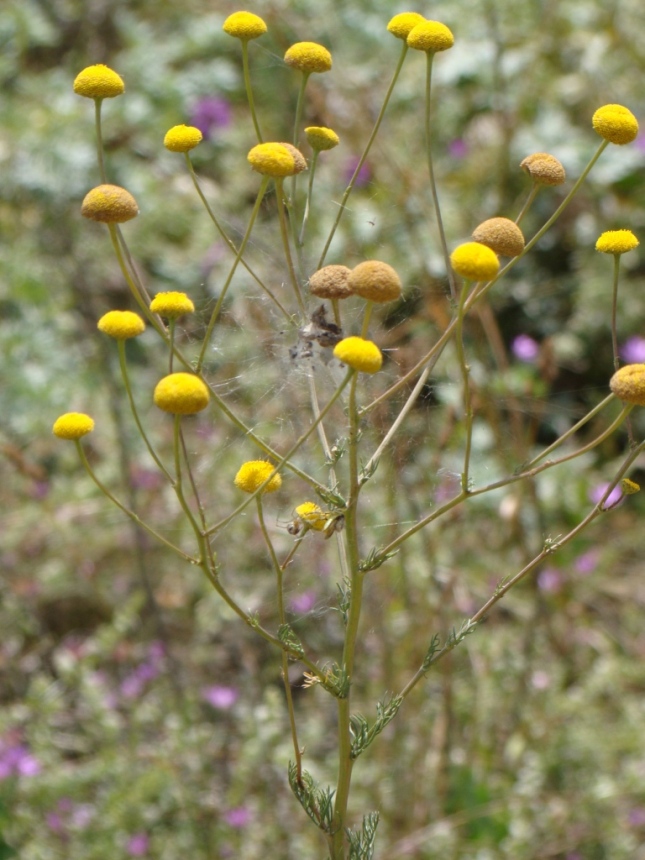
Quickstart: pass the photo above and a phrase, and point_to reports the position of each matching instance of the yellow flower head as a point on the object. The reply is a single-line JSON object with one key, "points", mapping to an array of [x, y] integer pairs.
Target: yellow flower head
{"points": [[331, 282], [375, 281], [276, 159], [72, 425], [544, 169], [254, 473], [121, 325], [475, 261], [312, 516], [617, 242], [244, 26], [430, 36], [308, 57], [359, 354], [501, 235], [401, 25], [615, 123], [98, 82], [171, 305], [320, 138], [628, 384], [109, 204], [181, 394], [629, 487], [182, 138]]}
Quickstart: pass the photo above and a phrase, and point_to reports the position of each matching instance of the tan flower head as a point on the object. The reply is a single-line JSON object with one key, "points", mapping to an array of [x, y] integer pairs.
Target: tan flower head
{"points": [[501, 235], [331, 282], [375, 281], [544, 169], [109, 204], [628, 384]]}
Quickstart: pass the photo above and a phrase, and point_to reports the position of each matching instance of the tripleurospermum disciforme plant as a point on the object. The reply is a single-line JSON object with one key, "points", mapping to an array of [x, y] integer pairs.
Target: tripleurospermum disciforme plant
{"points": [[347, 383]]}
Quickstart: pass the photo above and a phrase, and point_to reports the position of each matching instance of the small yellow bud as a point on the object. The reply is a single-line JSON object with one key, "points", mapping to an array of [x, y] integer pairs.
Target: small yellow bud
{"points": [[628, 384], [330, 282], [72, 425], [501, 235], [182, 138], [181, 394], [320, 138], [401, 25], [544, 169], [475, 261], [617, 242], [308, 57], [109, 204], [616, 124], [430, 36], [244, 26], [629, 487], [171, 305], [98, 82], [121, 325], [312, 516], [359, 354], [375, 281], [276, 159], [254, 473]]}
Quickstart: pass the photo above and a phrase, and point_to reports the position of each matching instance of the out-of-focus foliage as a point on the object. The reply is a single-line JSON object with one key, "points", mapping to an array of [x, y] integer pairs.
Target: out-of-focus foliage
{"points": [[528, 742]]}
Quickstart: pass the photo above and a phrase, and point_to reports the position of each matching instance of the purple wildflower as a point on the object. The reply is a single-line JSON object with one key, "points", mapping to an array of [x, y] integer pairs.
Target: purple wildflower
{"points": [[524, 348], [549, 580], [633, 350], [221, 698], [364, 174], [138, 844], [304, 602], [587, 562], [209, 114], [16, 760], [237, 817], [458, 148], [597, 492]]}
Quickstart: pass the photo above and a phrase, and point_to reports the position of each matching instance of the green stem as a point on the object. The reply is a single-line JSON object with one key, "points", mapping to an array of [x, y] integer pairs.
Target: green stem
{"points": [[529, 200], [361, 162], [284, 233], [99, 139], [249, 91], [127, 510], [433, 185], [614, 310], [178, 482], [465, 376], [310, 188], [133, 408], [218, 306]]}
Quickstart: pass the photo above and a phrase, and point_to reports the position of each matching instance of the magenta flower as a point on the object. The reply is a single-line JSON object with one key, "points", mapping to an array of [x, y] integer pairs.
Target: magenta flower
{"points": [[16, 760], [597, 492], [458, 148], [524, 348], [549, 580], [138, 844], [364, 174], [633, 350], [221, 698], [304, 602], [587, 562], [209, 114], [238, 817]]}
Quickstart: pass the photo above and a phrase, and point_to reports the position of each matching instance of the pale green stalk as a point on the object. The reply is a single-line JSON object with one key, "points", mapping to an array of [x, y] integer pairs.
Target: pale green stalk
{"points": [[310, 188], [249, 90], [433, 185], [529, 200], [465, 376], [361, 162], [284, 234], [135, 413], [99, 139], [238, 257], [614, 311]]}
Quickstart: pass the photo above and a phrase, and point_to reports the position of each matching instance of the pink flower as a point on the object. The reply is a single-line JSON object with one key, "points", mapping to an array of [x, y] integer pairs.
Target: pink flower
{"points": [[237, 817], [596, 494], [525, 349], [221, 698], [138, 844]]}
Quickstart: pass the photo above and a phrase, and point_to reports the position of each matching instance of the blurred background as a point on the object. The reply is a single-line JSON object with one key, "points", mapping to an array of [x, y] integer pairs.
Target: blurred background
{"points": [[138, 718]]}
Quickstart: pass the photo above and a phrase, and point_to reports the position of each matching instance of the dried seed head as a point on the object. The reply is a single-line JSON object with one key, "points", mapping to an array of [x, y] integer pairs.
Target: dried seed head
{"points": [[375, 281], [330, 282], [501, 235], [544, 169], [628, 384], [109, 204]]}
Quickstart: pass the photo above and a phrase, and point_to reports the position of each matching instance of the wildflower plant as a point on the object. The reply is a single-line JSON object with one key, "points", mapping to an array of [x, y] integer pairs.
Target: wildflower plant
{"points": [[353, 400]]}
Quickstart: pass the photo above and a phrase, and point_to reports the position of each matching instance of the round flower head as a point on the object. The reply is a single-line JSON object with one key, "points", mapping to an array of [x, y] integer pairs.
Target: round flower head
{"points": [[430, 36], [182, 138], [312, 516], [72, 425], [628, 384], [171, 305], [244, 26], [330, 282], [475, 261], [320, 138], [616, 242], [109, 204], [98, 82], [375, 281], [276, 159], [181, 394], [544, 169], [308, 57], [401, 25], [359, 354], [121, 325], [254, 473], [501, 235], [615, 123]]}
